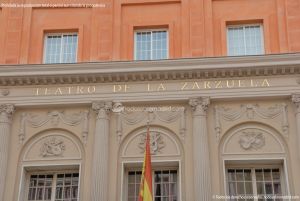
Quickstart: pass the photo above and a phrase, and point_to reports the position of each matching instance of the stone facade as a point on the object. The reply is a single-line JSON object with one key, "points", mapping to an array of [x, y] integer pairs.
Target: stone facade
{"points": [[219, 125], [201, 126]]}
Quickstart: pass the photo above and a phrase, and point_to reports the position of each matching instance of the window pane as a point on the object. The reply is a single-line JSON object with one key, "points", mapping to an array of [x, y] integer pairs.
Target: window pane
{"points": [[268, 187], [232, 188], [260, 188], [239, 182], [67, 187], [259, 175], [164, 183], [59, 192], [267, 175], [40, 187], [277, 188], [240, 188], [249, 189], [269, 183], [275, 174], [133, 186], [151, 45], [244, 40], [60, 48], [69, 48]]}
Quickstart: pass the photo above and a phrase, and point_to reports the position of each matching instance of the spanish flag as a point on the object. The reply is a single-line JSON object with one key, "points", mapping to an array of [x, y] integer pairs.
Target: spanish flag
{"points": [[146, 180]]}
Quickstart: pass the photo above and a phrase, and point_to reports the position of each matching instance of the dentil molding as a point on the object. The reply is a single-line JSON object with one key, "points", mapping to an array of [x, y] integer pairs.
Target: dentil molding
{"points": [[135, 71]]}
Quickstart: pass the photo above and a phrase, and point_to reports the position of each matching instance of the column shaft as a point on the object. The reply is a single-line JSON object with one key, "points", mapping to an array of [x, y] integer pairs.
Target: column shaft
{"points": [[202, 174], [99, 187], [5, 126], [296, 101]]}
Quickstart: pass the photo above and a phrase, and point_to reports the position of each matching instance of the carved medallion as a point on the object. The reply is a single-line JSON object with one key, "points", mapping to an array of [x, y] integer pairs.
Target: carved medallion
{"points": [[250, 140], [156, 142], [53, 147]]}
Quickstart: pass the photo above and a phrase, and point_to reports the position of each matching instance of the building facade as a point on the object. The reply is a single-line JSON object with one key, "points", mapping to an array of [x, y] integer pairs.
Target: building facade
{"points": [[215, 81]]}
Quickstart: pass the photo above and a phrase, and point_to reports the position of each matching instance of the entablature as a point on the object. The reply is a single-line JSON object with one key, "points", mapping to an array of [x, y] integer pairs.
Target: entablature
{"points": [[136, 71]]}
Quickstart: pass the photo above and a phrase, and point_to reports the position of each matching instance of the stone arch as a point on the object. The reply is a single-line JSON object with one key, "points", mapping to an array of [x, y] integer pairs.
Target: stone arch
{"points": [[52, 144], [252, 138], [31, 158], [130, 155], [165, 143]]}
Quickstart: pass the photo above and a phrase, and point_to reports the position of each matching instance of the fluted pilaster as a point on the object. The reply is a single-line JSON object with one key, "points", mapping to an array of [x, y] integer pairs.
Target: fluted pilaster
{"points": [[202, 175], [6, 111], [99, 186], [296, 101]]}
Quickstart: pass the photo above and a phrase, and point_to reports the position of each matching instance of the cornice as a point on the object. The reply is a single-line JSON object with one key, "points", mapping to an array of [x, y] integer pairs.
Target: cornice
{"points": [[125, 71]]}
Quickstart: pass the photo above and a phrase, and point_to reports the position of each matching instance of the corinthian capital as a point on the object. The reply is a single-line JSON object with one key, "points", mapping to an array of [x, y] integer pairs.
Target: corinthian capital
{"points": [[102, 108], [199, 105], [6, 111], [296, 101]]}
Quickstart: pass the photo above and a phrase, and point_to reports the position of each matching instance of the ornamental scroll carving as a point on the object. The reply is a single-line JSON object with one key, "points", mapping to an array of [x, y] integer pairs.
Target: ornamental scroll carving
{"points": [[251, 111], [149, 114], [54, 118], [250, 140], [156, 142], [52, 146]]}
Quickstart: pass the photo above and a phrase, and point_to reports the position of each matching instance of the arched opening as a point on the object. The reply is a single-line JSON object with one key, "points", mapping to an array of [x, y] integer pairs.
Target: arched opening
{"points": [[254, 161], [167, 163], [51, 163]]}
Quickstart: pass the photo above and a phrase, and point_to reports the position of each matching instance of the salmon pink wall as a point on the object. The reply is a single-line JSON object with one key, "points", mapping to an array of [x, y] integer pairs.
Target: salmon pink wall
{"points": [[197, 28], [150, 16], [1, 36], [59, 20], [249, 12], [293, 24]]}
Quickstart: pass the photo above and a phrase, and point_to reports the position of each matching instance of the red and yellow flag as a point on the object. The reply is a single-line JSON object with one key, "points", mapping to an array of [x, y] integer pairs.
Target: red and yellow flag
{"points": [[146, 181]]}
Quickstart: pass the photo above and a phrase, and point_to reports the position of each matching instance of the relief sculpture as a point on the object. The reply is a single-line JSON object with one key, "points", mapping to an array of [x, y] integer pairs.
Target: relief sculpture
{"points": [[250, 140], [52, 147], [156, 142]]}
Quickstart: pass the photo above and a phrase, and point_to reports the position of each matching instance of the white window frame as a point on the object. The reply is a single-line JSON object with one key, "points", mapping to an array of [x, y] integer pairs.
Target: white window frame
{"points": [[61, 45], [54, 173], [149, 30], [244, 25], [253, 168], [128, 166], [153, 178]]}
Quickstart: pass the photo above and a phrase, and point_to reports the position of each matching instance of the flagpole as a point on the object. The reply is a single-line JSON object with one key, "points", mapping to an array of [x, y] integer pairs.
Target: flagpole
{"points": [[146, 193]]}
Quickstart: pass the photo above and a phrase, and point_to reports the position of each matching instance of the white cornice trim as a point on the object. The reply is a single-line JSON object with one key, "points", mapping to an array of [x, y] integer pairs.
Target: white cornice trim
{"points": [[124, 71]]}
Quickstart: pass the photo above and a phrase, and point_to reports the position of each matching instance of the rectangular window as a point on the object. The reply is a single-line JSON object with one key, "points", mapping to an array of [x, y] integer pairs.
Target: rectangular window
{"points": [[245, 40], [60, 48], [151, 45], [164, 185], [256, 182], [53, 187]]}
